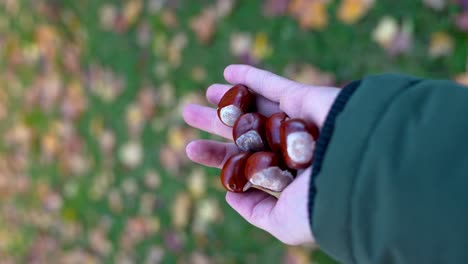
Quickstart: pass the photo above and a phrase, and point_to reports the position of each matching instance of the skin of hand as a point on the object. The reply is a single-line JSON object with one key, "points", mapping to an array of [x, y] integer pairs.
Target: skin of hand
{"points": [[285, 218]]}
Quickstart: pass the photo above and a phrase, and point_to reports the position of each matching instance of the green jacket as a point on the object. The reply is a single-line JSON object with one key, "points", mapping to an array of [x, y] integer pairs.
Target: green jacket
{"points": [[390, 180]]}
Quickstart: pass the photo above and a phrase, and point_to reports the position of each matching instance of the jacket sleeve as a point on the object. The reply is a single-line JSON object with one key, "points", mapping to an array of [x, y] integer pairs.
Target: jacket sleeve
{"points": [[390, 177]]}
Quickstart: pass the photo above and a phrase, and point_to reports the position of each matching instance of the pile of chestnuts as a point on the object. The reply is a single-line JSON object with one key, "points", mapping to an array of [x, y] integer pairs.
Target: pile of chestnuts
{"points": [[272, 148]]}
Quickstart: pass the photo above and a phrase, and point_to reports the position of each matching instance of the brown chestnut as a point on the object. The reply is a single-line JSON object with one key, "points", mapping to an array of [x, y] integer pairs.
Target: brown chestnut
{"points": [[273, 125], [235, 102], [298, 143], [263, 171], [249, 132], [233, 172]]}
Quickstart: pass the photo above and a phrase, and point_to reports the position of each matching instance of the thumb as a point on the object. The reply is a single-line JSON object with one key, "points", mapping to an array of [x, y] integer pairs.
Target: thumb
{"points": [[308, 102], [264, 83], [311, 103]]}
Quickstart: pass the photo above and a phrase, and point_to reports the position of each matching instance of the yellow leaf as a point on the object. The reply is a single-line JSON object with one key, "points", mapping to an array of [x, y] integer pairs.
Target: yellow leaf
{"points": [[441, 44], [261, 47], [181, 210], [197, 183], [350, 11], [131, 11]]}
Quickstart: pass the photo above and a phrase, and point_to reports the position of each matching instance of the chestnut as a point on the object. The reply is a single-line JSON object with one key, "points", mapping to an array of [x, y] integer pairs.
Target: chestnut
{"points": [[235, 102], [263, 171], [298, 143], [233, 172], [273, 125], [249, 132]]}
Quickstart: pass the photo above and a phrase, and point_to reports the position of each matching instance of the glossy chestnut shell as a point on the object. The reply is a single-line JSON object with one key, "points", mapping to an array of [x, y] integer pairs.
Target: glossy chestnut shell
{"points": [[273, 125], [233, 172], [264, 171], [298, 143], [249, 132], [235, 102]]}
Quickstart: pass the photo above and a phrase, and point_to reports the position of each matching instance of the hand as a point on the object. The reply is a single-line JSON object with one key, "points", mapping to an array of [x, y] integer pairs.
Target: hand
{"points": [[285, 218]]}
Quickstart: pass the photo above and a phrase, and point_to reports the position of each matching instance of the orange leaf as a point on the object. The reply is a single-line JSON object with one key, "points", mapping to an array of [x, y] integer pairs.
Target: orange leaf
{"points": [[350, 11], [311, 14]]}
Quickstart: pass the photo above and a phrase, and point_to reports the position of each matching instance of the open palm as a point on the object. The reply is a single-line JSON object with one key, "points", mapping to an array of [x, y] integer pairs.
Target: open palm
{"points": [[285, 218]]}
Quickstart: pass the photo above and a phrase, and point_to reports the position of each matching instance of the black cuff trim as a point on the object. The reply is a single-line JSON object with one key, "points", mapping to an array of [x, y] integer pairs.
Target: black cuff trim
{"points": [[324, 139]]}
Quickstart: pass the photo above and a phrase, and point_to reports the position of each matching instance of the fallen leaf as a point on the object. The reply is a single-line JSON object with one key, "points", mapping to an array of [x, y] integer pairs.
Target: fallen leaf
{"points": [[206, 212], [169, 18], [297, 255], [102, 183], [161, 69], [74, 102], [181, 210], [462, 21], [198, 73], [311, 14], [147, 204], [261, 47], [174, 241], [155, 255], [147, 98], [107, 142], [114, 200], [403, 40], [199, 258], [196, 183], [144, 34], [131, 154], [135, 120], [224, 7], [131, 12], [99, 242], [204, 25], [170, 160], [48, 40], [155, 6], [167, 95], [273, 8], [241, 43], [441, 44], [176, 46], [437, 5], [50, 146], [52, 201], [350, 11], [152, 179], [129, 186], [386, 31], [108, 16]]}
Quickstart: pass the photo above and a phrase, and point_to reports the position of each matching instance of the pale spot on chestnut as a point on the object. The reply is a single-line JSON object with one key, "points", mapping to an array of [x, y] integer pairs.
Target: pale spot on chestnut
{"points": [[273, 178], [229, 114], [250, 141], [300, 147]]}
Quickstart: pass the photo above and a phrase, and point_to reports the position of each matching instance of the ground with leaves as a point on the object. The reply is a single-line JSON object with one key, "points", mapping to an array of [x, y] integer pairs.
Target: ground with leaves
{"points": [[92, 161]]}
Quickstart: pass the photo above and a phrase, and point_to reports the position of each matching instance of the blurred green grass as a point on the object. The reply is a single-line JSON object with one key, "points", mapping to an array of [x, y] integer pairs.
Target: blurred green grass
{"points": [[347, 51]]}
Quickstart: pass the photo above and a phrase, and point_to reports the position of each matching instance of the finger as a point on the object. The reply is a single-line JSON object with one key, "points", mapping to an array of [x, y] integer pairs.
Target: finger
{"points": [[265, 83], [215, 92], [255, 206], [206, 119], [265, 107], [210, 153]]}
